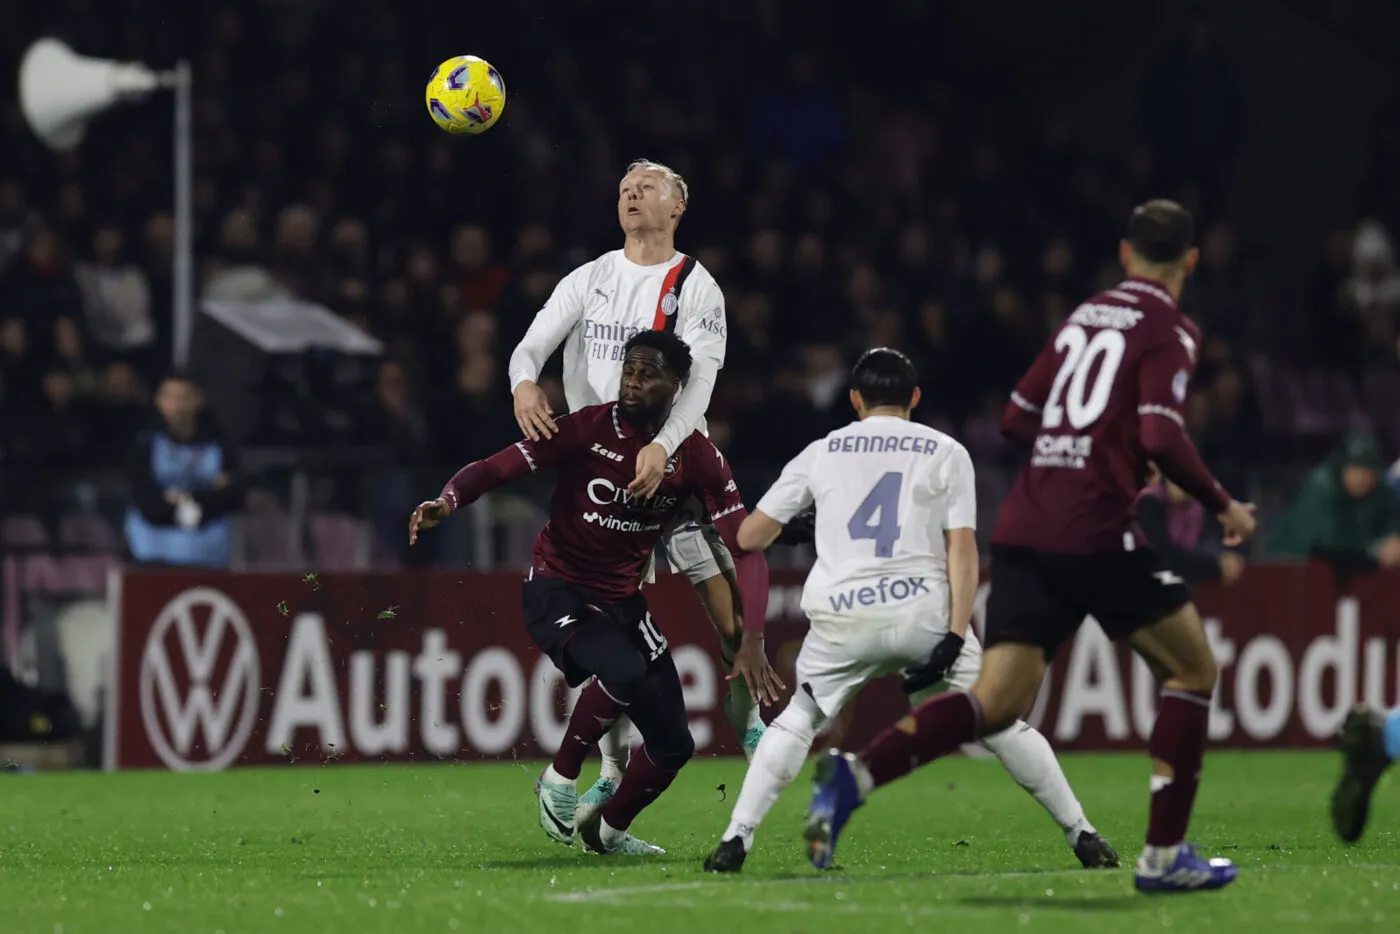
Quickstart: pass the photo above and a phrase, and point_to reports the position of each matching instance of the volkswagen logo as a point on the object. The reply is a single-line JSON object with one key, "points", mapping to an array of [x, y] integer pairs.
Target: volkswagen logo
{"points": [[200, 682]]}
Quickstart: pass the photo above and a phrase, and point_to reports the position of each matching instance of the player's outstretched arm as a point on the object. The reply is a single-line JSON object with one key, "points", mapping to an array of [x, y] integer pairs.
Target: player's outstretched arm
{"points": [[786, 500], [547, 331], [750, 568], [758, 531], [750, 581], [702, 326], [480, 477], [1162, 380], [467, 486], [685, 417], [957, 476], [1194, 566], [691, 405], [749, 588], [801, 529], [963, 574], [1166, 442], [725, 608]]}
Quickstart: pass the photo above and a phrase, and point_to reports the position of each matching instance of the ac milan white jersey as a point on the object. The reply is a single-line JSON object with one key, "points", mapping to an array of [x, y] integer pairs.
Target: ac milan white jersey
{"points": [[886, 489], [595, 309]]}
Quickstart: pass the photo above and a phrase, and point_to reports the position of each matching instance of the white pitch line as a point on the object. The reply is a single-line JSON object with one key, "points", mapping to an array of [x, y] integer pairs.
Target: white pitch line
{"points": [[602, 895], [953, 908], [946, 908], [661, 888], [844, 907], [664, 888]]}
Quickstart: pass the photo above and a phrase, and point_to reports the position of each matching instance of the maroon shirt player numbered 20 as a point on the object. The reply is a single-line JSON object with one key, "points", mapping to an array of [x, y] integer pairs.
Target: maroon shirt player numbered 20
{"points": [[1103, 398], [582, 601]]}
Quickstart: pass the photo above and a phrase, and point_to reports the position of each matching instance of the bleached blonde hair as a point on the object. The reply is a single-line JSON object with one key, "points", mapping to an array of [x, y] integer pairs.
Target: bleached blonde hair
{"points": [[666, 172]]}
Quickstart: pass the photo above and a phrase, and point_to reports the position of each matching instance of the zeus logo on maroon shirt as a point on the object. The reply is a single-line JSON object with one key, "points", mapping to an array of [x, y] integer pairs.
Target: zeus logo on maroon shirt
{"points": [[610, 455]]}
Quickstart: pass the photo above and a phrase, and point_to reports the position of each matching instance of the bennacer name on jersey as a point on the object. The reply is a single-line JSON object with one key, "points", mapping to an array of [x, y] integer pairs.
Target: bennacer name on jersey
{"points": [[880, 444]]}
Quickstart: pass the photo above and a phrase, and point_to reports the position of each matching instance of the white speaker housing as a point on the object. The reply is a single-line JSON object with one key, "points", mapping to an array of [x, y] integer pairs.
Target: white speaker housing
{"points": [[60, 91]]}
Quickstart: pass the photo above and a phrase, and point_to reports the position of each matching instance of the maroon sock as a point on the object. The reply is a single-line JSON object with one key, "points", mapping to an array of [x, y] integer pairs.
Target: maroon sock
{"points": [[1179, 740], [593, 716], [935, 728], [642, 783]]}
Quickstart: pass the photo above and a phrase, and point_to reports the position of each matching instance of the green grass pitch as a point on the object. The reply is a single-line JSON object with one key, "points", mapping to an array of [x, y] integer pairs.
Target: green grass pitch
{"points": [[444, 848]]}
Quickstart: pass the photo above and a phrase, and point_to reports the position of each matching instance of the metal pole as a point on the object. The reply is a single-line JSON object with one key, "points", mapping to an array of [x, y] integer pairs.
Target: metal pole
{"points": [[483, 539], [184, 215], [298, 507]]}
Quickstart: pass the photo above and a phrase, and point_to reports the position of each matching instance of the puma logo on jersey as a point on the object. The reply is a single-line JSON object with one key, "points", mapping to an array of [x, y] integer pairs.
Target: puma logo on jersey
{"points": [[610, 455], [1168, 578]]}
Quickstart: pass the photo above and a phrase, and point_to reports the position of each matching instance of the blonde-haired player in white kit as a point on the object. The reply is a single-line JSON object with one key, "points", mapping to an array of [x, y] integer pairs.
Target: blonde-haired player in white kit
{"points": [[593, 312], [892, 589]]}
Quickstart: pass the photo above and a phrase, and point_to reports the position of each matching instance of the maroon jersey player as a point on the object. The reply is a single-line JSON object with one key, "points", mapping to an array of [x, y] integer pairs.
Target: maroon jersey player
{"points": [[582, 601], [1102, 399], [1104, 395]]}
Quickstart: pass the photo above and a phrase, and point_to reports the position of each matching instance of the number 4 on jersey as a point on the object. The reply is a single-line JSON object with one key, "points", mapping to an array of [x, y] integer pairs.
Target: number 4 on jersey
{"points": [[884, 500]]}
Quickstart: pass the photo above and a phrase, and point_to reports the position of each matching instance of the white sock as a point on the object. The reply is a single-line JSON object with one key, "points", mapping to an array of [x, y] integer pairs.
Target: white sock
{"points": [[1028, 759], [608, 834], [865, 782], [739, 707], [616, 747], [554, 778], [1158, 859], [776, 762]]}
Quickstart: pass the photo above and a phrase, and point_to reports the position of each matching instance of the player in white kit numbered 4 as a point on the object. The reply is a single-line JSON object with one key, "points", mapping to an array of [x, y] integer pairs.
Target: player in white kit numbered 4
{"points": [[593, 312], [892, 590]]}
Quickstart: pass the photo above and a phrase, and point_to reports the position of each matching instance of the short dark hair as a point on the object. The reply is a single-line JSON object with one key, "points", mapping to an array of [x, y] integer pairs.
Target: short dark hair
{"points": [[674, 351], [1161, 231], [884, 376]]}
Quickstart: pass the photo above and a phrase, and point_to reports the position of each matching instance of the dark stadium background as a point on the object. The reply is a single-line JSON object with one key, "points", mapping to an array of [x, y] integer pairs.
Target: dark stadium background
{"points": [[947, 177]]}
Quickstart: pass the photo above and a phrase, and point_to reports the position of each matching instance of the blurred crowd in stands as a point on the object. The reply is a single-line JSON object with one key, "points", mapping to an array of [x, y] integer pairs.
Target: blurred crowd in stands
{"points": [[919, 203]]}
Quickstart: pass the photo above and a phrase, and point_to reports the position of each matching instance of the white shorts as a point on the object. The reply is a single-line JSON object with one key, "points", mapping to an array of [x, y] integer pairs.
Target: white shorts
{"points": [[837, 660], [695, 550]]}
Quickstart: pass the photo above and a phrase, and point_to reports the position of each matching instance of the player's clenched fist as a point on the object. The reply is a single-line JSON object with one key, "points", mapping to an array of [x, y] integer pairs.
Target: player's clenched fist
{"points": [[1238, 522], [651, 470], [533, 413], [426, 516]]}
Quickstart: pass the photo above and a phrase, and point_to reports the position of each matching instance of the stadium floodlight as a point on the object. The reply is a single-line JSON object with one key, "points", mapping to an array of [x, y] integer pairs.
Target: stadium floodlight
{"points": [[60, 91]]}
